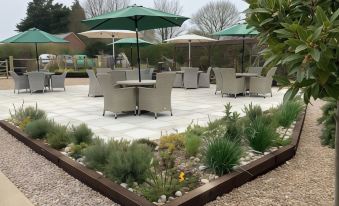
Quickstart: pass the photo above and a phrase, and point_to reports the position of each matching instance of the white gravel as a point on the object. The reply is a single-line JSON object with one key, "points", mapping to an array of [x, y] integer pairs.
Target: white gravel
{"points": [[42, 182], [305, 180]]}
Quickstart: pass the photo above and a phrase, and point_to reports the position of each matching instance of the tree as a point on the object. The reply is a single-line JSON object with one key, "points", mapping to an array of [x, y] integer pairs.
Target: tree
{"points": [[173, 7], [97, 7], [302, 35], [216, 16], [76, 16], [45, 15]]}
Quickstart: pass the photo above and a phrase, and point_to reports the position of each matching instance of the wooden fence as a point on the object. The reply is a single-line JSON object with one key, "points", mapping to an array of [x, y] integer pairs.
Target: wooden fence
{"points": [[4, 68]]}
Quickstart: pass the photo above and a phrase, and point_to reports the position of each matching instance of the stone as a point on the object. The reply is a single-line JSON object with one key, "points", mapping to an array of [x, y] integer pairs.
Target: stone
{"points": [[205, 181], [196, 159], [135, 184], [67, 149], [156, 148], [170, 198], [266, 153], [130, 189], [185, 189], [124, 185], [80, 159], [162, 199], [192, 158], [178, 193], [100, 173], [202, 167]]}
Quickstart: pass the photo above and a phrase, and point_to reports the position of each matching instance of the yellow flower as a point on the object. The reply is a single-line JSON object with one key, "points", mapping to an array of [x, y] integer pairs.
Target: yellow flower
{"points": [[181, 176]]}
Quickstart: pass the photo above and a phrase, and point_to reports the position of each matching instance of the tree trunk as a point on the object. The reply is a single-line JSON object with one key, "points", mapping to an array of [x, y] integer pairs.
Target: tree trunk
{"points": [[336, 195]]}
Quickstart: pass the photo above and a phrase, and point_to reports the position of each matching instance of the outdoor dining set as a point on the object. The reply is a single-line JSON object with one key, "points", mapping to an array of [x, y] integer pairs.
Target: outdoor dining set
{"points": [[38, 81]]}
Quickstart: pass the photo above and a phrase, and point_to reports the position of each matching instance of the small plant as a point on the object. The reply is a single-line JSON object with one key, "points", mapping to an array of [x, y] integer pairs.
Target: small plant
{"points": [[131, 164], [38, 129], [253, 112], [329, 124], [81, 134], [195, 129], [192, 143], [288, 112], [147, 142], [59, 137], [172, 142], [221, 154], [23, 115], [77, 150], [260, 134], [233, 128]]}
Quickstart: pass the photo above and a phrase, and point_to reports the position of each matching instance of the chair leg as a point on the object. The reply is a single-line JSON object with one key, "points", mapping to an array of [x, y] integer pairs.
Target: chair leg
{"points": [[155, 115], [235, 96], [139, 112], [64, 88], [103, 114], [115, 116], [171, 113], [135, 112]]}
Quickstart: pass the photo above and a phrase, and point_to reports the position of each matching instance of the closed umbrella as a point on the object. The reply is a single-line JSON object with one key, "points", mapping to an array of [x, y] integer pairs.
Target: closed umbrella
{"points": [[131, 42], [35, 36], [108, 34], [240, 30], [136, 18], [190, 38]]}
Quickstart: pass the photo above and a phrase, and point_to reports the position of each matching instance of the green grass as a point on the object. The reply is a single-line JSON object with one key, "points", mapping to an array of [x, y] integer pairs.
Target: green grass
{"points": [[288, 112], [59, 137], [81, 134]]}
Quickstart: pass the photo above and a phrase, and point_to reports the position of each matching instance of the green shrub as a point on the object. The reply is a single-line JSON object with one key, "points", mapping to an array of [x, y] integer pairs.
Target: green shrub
{"points": [[233, 128], [59, 137], [147, 142], [288, 112], [253, 112], [23, 115], [196, 129], [192, 143], [38, 129], [129, 165], [171, 142], [329, 123], [81, 134], [221, 154], [77, 150], [260, 134]]}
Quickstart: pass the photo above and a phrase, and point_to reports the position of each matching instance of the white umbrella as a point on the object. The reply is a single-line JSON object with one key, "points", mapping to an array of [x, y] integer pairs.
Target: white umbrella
{"points": [[107, 34], [189, 38]]}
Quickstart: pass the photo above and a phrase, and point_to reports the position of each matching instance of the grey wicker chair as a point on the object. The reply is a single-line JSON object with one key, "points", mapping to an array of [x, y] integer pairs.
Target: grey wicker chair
{"points": [[191, 78], [94, 86], [118, 76], [256, 70], [20, 82], [36, 81], [146, 74], [178, 81], [218, 80], [103, 70], [157, 99], [132, 75], [262, 85], [58, 81], [117, 99], [230, 83], [204, 79]]}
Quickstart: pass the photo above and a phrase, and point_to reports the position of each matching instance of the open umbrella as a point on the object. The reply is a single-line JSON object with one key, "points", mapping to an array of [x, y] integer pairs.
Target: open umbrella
{"points": [[189, 38], [131, 42], [136, 18], [107, 34], [34, 36], [240, 30]]}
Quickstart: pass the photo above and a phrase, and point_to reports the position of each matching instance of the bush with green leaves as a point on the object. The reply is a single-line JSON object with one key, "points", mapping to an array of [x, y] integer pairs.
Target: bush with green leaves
{"points": [[23, 115], [147, 142], [81, 134], [260, 134], [129, 165], [288, 112], [328, 121], [59, 137], [233, 127], [192, 143], [77, 150], [38, 129], [252, 112], [222, 154]]}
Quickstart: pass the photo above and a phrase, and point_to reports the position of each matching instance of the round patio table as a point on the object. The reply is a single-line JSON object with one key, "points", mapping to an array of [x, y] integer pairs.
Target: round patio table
{"points": [[247, 78], [137, 83]]}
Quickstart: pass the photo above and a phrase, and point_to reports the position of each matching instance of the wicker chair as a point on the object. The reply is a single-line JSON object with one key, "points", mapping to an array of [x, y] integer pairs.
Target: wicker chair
{"points": [[36, 81], [58, 81], [262, 85], [146, 74], [132, 75], [191, 78], [178, 80], [118, 76], [94, 86], [157, 99], [20, 82], [218, 79], [256, 70], [204, 79], [231, 84], [103, 70], [117, 99]]}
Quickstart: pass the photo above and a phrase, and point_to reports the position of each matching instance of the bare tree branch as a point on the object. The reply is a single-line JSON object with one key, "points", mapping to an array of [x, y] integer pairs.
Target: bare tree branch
{"points": [[99, 7]]}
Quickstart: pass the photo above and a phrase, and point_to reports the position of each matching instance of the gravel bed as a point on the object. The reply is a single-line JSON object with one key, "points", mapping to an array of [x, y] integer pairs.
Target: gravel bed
{"points": [[42, 182], [305, 180]]}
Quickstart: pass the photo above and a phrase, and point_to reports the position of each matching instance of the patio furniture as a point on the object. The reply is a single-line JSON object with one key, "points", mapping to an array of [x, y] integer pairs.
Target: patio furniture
{"points": [[58, 81], [117, 99], [20, 82], [94, 86], [36, 81], [157, 99], [118, 76], [247, 77], [204, 79], [262, 85], [231, 84], [146, 74], [132, 75], [255, 70], [218, 79], [136, 83], [178, 80], [103, 70], [191, 78]]}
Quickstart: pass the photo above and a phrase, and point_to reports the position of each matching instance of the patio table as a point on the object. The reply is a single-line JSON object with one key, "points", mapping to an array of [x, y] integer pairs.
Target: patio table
{"points": [[247, 78], [136, 83], [48, 75]]}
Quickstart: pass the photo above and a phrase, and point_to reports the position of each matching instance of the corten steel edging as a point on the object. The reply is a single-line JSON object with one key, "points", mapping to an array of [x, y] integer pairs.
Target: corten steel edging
{"points": [[89, 177], [196, 197]]}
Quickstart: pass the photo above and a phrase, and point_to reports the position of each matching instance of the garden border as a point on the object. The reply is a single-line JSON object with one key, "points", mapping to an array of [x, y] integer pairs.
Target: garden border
{"points": [[196, 197]]}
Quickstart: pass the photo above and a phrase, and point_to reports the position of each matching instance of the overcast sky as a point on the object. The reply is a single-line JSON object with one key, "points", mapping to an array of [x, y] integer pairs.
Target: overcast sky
{"points": [[13, 11]]}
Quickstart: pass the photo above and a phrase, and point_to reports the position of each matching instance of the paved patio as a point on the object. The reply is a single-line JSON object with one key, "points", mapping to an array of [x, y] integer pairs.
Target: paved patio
{"points": [[74, 107]]}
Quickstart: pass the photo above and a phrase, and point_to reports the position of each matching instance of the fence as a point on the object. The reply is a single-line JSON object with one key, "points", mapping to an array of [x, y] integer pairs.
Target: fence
{"points": [[4, 68]]}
